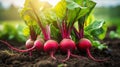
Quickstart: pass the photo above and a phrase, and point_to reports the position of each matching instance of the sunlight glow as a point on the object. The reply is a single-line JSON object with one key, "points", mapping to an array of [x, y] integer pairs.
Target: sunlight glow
{"points": [[52, 2], [20, 3], [7, 3]]}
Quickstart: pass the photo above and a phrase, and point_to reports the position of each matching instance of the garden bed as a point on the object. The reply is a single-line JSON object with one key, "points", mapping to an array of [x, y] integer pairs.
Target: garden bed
{"points": [[9, 58]]}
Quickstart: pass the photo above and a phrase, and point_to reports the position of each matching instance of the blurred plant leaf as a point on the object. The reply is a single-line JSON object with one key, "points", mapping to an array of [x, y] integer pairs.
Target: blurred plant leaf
{"points": [[98, 45], [89, 20], [26, 31], [55, 33], [32, 12], [75, 12], [97, 29], [118, 30], [88, 35], [60, 9], [12, 32], [72, 10], [113, 35]]}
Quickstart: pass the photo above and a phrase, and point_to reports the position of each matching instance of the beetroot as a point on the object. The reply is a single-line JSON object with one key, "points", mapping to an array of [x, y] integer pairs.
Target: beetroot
{"points": [[39, 45], [16, 49], [51, 47], [85, 45], [66, 46], [29, 43]]}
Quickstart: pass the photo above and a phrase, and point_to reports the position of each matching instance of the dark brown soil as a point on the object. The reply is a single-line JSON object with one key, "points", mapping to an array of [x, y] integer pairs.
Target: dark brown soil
{"points": [[10, 58]]}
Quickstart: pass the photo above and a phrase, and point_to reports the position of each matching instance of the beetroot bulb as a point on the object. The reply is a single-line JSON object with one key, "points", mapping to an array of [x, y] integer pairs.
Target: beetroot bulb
{"points": [[68, 46], [85, 45]]}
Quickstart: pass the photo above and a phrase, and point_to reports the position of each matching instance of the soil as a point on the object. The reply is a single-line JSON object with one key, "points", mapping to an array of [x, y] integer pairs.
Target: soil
{"points": [[10, 58]]}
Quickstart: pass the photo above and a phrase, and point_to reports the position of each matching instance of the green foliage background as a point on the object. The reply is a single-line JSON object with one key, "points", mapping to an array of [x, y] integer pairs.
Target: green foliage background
{"points": [[110, 14]]}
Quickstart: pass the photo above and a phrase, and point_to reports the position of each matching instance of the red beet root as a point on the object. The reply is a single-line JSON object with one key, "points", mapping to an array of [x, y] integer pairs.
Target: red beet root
{"points": [[66, 46], [29, 43], [39, 45], [51, 47], [85, 45], [16, 49]]}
